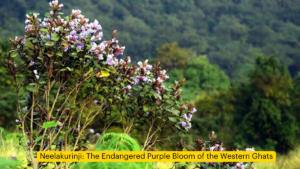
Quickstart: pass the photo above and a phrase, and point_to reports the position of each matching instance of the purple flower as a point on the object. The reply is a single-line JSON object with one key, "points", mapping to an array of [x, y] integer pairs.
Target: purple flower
{"points": [[149, 67], [28, 27], [110, 60], [80, 47], [137, 80], [73, 33], [66, 48], [99, 36], [103, 45], [31, 63], [183, 124], [83, 29], [119, 51], [96, 25], [48, 37], [25, 108], [189, 117], [128, 87], [240, 166]]}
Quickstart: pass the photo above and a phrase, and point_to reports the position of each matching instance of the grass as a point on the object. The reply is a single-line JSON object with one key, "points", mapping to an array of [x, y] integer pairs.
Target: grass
{"points": [[289, 161], [9, 147]]}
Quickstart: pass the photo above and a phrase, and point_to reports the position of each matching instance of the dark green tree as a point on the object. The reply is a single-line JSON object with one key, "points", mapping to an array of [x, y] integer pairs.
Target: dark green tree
{"points": [[263, 107], [171, 56], [296, 102], [201, 76], [8, 93]]}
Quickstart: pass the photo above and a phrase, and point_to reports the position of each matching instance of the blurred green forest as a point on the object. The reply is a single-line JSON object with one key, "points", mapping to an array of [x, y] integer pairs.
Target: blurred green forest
{"points": [[230, 32], [240, 59]]}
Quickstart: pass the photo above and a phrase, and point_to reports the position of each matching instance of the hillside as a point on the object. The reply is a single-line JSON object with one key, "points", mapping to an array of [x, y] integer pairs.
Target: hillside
{"points": [[230, 32]]}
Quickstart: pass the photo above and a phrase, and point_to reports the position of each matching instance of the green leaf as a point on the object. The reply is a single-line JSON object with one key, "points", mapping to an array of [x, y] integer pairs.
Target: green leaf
{"points": [[104, 73], [55, 37], [44, 30], [28, 44], [174, 111], [49, 44], [172, 119], [60, 28], [59, 54], [39, 138], [47, 15], [74, 54], [88, 56], [50, 124], [14, 55], [145, 108], [66, 69]]}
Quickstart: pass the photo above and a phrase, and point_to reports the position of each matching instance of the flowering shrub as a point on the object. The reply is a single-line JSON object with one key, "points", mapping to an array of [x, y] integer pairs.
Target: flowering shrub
{"points": [[213, 144], [67, 76]]}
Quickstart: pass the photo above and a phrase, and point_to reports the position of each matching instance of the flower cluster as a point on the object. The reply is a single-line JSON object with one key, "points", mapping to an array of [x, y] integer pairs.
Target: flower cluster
{"points": [[188, 116], [74, 33], [145, 76], [214, 145]]}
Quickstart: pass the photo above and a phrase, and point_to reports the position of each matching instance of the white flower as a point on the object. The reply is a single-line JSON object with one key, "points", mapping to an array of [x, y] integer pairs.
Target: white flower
{"points": [[194, 110], [76, 12], [91, 131], [250, 149], [159, 80], [129, 60], [140, 63], [100, 57]]}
